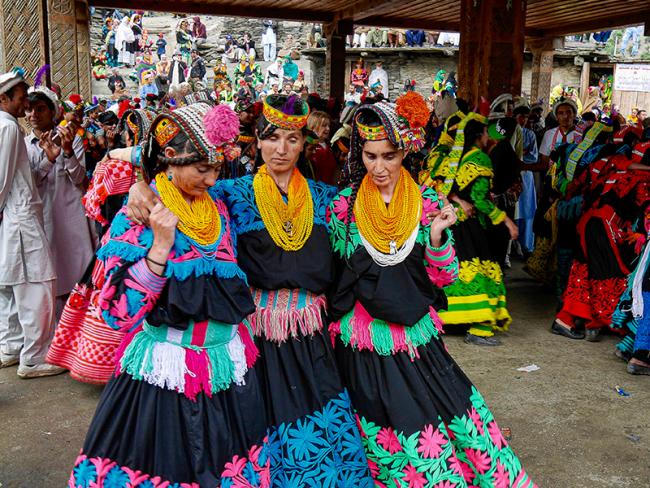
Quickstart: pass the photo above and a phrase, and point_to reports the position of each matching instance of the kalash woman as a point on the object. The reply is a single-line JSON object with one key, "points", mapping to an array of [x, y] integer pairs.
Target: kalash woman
{"points": [[283, 247], [423, 423], [478, 297], [184, 406]]}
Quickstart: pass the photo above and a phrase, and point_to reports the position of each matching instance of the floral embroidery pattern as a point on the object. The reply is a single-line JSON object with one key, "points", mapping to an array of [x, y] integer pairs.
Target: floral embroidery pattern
{"points": [[240, 198], [320, 450], [467, 452], [97, 472]]}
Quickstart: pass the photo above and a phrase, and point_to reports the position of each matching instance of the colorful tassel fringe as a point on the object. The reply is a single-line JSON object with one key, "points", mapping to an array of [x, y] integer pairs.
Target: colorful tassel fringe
{"points": [[284, 314], [170, 358], [359, 330]]}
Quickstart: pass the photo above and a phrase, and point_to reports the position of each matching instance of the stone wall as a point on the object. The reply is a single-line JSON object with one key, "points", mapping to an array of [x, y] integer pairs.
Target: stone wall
{"points": [[291, 35]]}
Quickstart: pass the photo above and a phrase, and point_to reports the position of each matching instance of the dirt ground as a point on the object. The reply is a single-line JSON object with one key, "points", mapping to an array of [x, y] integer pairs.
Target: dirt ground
{"points": [[569, 426]]}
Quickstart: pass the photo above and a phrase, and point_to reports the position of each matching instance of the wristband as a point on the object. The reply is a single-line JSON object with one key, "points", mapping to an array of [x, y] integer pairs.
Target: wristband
{"points": [[162, 265]]}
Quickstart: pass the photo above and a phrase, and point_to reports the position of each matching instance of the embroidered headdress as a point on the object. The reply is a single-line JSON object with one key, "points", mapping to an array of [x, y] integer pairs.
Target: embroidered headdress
{"points": [[291, 115], [138, 121], [402, 122], [212, 132]]}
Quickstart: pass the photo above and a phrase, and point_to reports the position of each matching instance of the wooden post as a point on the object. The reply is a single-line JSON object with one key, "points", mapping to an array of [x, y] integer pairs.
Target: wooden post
{"points": [[335, 56], [542, 69], [491, 48], [23, 38]]}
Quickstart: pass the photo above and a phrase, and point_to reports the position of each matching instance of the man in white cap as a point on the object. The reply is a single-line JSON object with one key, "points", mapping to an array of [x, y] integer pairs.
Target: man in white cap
{"points": [[26, 269], [56, 156]]}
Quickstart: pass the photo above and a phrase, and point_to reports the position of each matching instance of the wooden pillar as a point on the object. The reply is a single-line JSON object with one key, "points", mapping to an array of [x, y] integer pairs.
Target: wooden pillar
{"points": [[335, 56], [70, 46], [82, 16], [542, 69], [491, 48], [22, 35]]}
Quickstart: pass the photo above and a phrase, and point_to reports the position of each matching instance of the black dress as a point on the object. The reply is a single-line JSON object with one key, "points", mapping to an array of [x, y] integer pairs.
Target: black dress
{"points": [[313, 436], [422, 421], [183, 408]]}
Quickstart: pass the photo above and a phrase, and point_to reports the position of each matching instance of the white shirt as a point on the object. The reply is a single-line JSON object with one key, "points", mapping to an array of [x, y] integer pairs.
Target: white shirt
{"points": [[268, 37], [65, 221], [274, 73], [554, 138], [24, 250]]}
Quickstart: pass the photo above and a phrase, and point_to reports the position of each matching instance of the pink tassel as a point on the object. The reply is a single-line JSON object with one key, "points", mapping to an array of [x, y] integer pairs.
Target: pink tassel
{"points": [[360, 322], [335, 330], [437, 321], [278, 325], [399, 338], [250, 349], [197, 376]]}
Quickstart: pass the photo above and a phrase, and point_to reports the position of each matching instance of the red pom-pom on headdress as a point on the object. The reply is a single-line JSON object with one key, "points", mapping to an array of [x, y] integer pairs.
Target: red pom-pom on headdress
{"points": [[123, 106], [221, 125], [76, 99], [413, 108]]}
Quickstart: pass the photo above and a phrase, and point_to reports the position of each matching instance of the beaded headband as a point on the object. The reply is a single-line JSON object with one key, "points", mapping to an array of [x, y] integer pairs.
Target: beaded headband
{"points": [[368, 133], [245, 139], [165, 131], [283, 121]]}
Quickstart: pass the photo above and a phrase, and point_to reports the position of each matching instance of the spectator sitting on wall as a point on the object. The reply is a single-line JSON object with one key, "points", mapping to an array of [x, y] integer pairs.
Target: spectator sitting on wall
{"points": [[199, 32]]}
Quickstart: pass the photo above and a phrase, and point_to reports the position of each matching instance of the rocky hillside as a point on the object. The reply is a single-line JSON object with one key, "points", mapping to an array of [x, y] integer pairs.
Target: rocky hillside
{"points": [[291, 37]]}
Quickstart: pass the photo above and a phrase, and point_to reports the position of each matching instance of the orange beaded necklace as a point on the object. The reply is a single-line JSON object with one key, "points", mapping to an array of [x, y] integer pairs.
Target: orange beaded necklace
{"points": [[387, 227]]}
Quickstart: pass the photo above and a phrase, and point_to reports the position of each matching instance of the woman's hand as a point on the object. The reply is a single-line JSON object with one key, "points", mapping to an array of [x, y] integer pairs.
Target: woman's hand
{"points": [[142, 201], [163, 223], [512, 228], [468, 208], [445, 219]]}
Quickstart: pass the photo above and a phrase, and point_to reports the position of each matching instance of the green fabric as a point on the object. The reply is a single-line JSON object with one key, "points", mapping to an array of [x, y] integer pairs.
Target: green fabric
{"points": [[430, 457], [479, 285], [480, 195]]}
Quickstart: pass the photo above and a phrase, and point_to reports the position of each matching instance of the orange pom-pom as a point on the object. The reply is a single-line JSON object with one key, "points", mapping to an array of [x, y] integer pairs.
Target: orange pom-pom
{"points": [[412, 107]]}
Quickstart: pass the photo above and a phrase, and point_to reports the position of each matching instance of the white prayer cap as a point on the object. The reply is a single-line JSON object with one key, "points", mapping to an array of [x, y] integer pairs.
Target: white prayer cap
{"points": [[14, 77]]}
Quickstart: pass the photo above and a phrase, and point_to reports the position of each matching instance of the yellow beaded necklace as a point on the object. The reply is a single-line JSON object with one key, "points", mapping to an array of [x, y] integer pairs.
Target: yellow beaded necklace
{"points": [[387, 227], [200, 220], [289, 224]]}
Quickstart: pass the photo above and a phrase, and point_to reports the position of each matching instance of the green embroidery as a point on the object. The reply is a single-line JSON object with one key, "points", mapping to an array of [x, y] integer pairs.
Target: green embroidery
{"points": [[478, 455]]}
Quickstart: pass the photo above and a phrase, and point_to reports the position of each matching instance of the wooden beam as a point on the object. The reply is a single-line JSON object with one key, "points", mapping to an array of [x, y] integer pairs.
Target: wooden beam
{"points": [[407, 23], [367, 8], [220, 8], [596, 25]]}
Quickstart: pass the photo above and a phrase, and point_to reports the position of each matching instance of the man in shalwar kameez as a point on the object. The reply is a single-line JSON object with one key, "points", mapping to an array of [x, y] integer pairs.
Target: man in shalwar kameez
{"points": [[26, 270]]}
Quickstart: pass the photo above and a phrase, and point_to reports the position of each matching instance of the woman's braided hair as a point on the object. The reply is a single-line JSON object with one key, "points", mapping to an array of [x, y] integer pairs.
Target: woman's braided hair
{"points": [[155, 160]]}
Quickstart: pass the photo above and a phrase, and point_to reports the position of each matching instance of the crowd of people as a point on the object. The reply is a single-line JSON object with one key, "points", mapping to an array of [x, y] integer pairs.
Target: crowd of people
{"points": [[254, 324], [395, 38]]}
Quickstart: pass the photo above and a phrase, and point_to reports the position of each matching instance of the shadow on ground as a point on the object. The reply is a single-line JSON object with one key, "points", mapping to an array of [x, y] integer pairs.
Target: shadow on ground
{"points": [[569, 426]]}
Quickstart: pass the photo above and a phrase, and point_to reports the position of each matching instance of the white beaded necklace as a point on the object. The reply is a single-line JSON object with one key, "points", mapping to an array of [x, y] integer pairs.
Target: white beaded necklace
{"points": [[397, 255]]}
